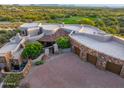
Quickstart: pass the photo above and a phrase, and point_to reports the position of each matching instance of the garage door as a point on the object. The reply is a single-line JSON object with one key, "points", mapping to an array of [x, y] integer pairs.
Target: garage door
{"points": [[113, 67], [92, 59], [77, 51]]}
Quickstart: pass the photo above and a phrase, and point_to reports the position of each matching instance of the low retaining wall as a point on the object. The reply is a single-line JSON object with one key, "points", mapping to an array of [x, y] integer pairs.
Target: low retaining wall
{"points": [[38, 58], [65, 50], [24, 72], [34, 38], [102, 58]]}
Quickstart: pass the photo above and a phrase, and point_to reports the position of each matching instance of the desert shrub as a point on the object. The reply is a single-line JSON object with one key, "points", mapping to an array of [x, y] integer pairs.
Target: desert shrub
{"points": [[63, 42], [5, 36], [112, 30], [12, 80], [39, 62]]}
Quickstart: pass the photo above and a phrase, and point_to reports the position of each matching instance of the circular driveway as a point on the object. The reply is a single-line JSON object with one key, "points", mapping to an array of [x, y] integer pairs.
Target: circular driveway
{"points": [[68, 71]]}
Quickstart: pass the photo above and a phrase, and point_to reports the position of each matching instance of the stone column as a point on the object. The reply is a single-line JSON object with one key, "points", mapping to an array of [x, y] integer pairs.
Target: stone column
{"points": [[81, 51], [46, 54], [8, 64], [72, 49], [46, 51], [122, 72], [84, 56], [101, 63], [56, 49]]}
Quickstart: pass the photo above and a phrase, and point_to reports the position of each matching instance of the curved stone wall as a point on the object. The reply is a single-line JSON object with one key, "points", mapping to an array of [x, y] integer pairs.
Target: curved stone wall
{"points": [[102, 58]]}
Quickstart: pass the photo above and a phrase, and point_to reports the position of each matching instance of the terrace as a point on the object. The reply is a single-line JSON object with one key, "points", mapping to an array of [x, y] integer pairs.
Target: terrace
{"points": [[29, 25], [13, 45], [108, 47], [8, 47]]}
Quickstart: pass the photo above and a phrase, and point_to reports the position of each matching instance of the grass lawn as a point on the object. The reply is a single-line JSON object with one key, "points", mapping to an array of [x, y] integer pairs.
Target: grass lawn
{"points": [[76, 19], [71, 20]]}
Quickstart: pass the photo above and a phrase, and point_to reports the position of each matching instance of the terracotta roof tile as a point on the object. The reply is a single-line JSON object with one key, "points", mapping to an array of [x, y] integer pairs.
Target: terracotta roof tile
{"points": [[53, 37]]}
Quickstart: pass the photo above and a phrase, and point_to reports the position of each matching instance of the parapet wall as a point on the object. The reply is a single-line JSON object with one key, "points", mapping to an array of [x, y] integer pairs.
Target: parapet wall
{"points": [[118, 39], [101, 38]]}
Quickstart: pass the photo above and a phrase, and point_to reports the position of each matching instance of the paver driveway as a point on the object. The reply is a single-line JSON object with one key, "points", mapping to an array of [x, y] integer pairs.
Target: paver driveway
{"points": [[68, 70]]}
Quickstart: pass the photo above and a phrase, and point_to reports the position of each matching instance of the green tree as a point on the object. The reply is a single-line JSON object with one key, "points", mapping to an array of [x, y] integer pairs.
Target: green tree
{"points": [[32, 50], [63, 42], [112, 30], [99, 22]]}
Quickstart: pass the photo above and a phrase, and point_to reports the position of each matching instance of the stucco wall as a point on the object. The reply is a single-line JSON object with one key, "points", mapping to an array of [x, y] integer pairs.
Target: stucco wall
{"points": [[118, 39], [34, 38]]}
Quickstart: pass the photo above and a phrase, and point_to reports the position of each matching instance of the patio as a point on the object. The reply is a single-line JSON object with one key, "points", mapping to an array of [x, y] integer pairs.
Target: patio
{"points": [[69, 71]]}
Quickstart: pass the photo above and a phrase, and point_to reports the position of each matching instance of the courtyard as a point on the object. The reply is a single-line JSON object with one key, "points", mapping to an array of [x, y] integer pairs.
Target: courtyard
{"points": [[67, 70]]}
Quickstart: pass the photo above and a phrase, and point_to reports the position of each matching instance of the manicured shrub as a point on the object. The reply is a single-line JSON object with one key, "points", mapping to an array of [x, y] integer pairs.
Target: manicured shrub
{"points": [[32, 50], [63, 42], [39, 63]]}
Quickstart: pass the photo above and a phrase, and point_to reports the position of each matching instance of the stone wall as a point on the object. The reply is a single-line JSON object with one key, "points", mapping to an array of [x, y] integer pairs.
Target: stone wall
{"points": [[24, 72], [27, 68], [38, 58], [102, 58]]}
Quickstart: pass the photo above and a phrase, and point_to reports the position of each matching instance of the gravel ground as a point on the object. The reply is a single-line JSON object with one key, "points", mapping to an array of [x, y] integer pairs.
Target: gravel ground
{"points": [[69, 71]]}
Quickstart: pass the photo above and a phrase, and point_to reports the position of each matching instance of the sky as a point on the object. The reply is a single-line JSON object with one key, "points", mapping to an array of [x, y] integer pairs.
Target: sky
{"points": [[61, 1]]}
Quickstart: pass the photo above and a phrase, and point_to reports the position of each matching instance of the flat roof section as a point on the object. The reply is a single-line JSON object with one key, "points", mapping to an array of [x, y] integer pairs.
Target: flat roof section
{"points": [[29, 25], [111, 48], [46, 26], [8, 47], [91, 30], [72, 27], [50, 26], [17, 54]]}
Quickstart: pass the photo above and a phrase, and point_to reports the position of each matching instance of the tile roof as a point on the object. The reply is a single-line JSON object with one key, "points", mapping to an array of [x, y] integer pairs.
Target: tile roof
{"points": [[53, 37]]}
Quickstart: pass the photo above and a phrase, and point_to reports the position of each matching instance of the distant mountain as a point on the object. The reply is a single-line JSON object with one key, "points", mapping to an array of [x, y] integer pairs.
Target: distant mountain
{"points": [[76, 5], [36, 4], [101, 5]]}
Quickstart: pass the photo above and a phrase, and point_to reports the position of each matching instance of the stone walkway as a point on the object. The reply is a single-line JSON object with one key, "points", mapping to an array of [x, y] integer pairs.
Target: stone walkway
{"points": [[68, 71]]}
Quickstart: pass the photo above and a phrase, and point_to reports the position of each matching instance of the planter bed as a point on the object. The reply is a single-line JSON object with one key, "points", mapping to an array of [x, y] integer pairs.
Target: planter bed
{"points": [[23, 71]]}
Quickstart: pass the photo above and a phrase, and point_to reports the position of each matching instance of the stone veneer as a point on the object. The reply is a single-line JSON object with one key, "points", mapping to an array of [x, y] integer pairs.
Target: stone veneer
{"points": [[102, 58], [24, 72]]}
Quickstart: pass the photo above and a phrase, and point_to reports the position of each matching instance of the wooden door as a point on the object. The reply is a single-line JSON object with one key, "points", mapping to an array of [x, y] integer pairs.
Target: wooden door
{"points": [[92, 59], [77, 51], [112, 67]]}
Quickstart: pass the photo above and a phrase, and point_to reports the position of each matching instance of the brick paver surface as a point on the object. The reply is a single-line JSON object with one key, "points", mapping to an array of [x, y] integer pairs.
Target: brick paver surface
{"points": [[68, 70]]}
